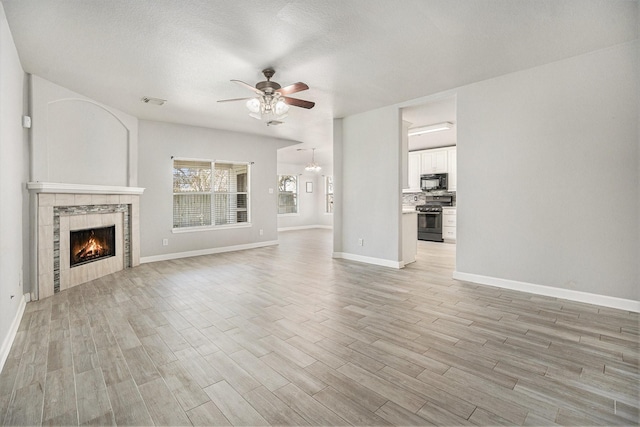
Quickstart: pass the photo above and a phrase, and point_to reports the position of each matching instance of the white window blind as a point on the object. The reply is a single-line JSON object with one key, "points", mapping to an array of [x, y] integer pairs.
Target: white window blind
{"points": [[207, 193], [287, 194], [231, 193]]}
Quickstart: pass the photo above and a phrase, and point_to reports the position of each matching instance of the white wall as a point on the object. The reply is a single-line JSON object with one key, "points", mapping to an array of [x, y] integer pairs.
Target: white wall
{"points": [[159, 141], [548, 179], [311, 212], [13, 175], [370, 186], [77, 140]]}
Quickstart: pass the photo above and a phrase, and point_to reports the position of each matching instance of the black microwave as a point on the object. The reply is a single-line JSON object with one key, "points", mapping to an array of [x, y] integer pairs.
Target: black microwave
{"points": [[433, 182]]}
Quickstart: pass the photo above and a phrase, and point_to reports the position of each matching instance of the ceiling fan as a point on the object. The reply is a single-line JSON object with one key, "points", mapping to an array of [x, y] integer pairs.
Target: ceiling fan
{"points": [[271, 102]]}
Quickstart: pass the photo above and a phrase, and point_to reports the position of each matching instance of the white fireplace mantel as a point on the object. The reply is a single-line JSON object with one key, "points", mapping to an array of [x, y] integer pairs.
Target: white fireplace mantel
{"points": [[62, 188]]}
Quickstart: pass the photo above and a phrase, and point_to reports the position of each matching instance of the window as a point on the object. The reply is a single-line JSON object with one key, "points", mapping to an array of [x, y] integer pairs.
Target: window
{"points": [[328, 187], [287, 194], [209, 194]]}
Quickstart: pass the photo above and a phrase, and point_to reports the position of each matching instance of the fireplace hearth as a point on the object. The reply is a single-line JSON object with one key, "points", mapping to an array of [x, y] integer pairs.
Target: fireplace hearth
{"points": [[92, 244]]}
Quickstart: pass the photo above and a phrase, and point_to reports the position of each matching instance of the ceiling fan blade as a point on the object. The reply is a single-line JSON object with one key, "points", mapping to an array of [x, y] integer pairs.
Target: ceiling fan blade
{"points": [[248, 86], [293, 88], [234, 99], [299, 102]]}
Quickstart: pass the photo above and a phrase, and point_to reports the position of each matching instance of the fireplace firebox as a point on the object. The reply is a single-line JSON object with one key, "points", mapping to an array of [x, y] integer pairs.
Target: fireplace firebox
{"points": [[92, 244]]}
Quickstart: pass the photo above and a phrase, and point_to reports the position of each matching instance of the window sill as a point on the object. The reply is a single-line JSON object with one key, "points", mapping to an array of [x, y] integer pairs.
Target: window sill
{"points": [[289, 214], [210, 228]]}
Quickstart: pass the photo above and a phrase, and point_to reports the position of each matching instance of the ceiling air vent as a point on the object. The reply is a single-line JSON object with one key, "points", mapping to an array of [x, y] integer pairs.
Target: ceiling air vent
{"points": [[154, 101]]}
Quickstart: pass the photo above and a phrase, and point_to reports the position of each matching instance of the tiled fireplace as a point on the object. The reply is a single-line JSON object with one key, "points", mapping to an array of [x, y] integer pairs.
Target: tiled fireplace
{"points": [[84, 211]]}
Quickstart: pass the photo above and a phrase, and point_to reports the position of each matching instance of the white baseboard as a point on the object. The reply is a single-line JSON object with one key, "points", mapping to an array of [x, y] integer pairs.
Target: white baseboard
{"points": [[549, 291], [305, 227], [13, 330], [166, 257], [368, 260]]}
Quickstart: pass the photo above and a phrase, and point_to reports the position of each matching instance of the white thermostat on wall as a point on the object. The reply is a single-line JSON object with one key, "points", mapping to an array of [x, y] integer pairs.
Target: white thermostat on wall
{"points": [[26, 122]]}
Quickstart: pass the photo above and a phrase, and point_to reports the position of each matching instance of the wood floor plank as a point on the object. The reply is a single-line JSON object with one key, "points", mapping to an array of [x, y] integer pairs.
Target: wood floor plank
{"points": [[259, 370], [162, 406], [438, 416], [396, 394], [127, 403], [232, 373], [157, 350], [93, 400], [182, 385], [207, 414], [201, 371], [275, 411], [25, 408], [288, 351], [345, 385], [60, 396], [513, 412], [348, 409], [309, 408], [234, 407], [444, 399], [399, 416], [295, 374], [140, 365], [264, 330]]}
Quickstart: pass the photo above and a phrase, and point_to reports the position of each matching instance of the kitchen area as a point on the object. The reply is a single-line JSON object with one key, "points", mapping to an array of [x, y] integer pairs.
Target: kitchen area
{"points": [[429, 193]]}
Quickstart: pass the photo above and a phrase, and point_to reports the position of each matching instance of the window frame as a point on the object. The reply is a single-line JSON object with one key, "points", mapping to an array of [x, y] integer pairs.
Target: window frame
{"points": [[327, 194], [212, 193], [296, 195]]}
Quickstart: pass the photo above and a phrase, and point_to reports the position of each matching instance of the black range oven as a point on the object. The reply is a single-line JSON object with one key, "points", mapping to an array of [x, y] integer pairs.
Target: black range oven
{"points": [[430, 218]]}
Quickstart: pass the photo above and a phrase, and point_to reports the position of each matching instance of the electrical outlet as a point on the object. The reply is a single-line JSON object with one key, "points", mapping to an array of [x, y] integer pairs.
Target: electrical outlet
{"points": [[261, 232], [165, 242], [361, 242]]}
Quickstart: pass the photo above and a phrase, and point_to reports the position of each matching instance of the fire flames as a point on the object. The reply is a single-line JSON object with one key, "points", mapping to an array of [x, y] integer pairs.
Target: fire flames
{"points": [[91, 249]]}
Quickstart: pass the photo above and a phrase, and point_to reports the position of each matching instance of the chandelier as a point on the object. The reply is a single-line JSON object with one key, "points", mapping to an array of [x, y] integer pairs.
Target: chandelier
{"points": [[313, 166]]}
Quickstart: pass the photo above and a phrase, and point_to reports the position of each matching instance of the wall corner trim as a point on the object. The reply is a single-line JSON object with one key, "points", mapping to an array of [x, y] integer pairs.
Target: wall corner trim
{"points": [[13, 330], [549, 291], [368, 260]]}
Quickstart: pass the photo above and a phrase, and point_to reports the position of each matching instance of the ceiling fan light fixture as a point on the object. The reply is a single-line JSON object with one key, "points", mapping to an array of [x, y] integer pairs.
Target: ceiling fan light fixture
{"points": [[272, 101], [430, 128], [281, 107], [267, 108], [254, 105]]}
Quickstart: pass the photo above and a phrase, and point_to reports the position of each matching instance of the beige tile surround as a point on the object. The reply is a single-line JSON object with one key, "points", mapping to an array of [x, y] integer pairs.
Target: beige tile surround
{"points": [[81, 274], [70, 277]]}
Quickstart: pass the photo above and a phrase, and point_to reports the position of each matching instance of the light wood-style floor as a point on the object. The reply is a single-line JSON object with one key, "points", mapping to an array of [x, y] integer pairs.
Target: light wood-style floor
{"points": [[285, 335]]}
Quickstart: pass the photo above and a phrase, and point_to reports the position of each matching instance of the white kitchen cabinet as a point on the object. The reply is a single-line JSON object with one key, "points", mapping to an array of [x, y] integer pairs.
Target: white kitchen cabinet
{"points": [[439, 160], [433, 161], [452, 169], [414, 171], [449, 224]]}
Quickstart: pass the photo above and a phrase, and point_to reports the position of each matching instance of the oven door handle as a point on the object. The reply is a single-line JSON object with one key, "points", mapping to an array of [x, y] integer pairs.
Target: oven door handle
{"points": [[429, 213]]}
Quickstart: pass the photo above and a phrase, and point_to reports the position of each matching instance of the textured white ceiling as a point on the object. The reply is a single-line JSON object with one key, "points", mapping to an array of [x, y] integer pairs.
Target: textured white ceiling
{"points": [[355, 55]]}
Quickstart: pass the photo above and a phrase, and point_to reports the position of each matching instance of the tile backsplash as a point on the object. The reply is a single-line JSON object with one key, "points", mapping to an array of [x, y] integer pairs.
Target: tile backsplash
{"points": [[415, 199]]}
